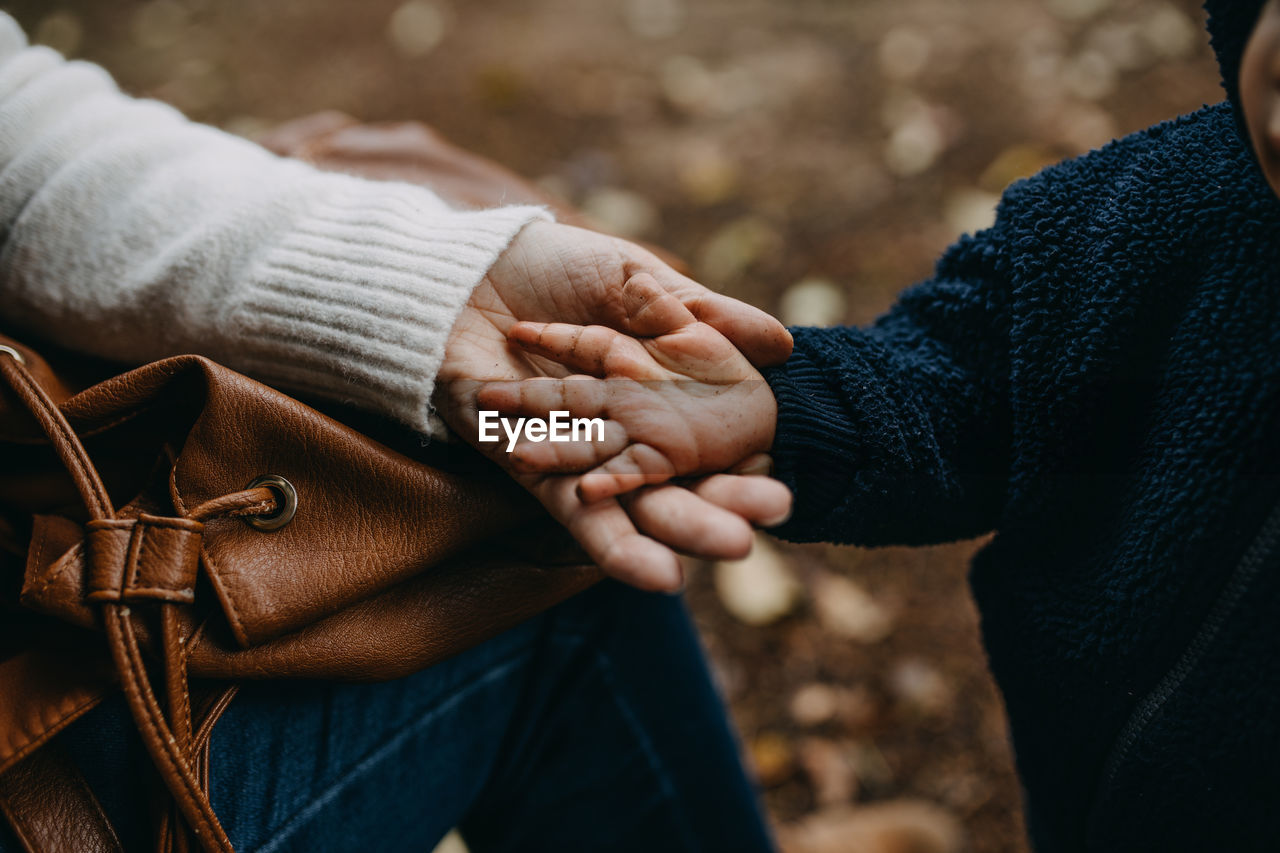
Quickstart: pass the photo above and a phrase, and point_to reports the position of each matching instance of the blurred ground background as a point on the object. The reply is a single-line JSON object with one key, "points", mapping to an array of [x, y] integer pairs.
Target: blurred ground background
{"points": [[811, 156]]}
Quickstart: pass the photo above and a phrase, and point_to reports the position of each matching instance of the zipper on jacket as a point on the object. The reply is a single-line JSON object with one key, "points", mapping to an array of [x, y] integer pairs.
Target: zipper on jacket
{"points": [[1262, 546]]}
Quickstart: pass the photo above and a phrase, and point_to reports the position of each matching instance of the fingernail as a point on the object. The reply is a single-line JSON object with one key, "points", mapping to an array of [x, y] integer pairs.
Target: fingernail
{"points": [[676, 584], [782, 519]]}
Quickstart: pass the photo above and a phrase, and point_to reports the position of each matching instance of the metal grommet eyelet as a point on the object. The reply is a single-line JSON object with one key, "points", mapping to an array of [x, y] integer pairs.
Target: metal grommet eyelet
{"points": [[17, 356], [286, 497]]}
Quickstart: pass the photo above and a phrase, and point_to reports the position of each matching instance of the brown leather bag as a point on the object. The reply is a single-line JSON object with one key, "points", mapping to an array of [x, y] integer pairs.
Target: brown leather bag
{"points": [[214, 528]]}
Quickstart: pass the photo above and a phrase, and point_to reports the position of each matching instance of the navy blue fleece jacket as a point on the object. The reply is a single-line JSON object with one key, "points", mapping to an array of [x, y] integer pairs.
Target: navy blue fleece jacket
{"points": [[1097, 379]]}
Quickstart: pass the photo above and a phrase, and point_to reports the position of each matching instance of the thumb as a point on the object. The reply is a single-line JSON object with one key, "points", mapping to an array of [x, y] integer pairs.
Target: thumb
{"points": [[761, 337], [651, 310]]}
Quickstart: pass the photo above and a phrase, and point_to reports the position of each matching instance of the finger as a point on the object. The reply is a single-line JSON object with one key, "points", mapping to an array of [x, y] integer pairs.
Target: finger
{"points": [[651, 309], [594, 447], [762, 501], [580, 396], [639, 465], [595, 350], [689, 523], [578, 436], [756, 465], [760, 337], [610, 538]]}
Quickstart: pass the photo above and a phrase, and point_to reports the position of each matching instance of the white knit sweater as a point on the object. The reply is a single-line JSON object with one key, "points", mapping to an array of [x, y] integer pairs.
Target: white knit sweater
{"points": [[127, 231]]}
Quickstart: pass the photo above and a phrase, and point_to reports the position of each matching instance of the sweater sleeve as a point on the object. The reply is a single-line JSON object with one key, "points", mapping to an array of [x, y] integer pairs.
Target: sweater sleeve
{"points": [[899, 433], [128, 232]]}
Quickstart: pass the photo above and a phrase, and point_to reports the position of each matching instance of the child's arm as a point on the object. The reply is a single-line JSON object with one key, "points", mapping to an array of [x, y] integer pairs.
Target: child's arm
{"points": [[900, 433]]}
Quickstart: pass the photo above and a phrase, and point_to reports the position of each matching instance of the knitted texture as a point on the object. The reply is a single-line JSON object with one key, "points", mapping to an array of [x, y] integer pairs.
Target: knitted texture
{"points": [[131, 233], [1097, 378]]}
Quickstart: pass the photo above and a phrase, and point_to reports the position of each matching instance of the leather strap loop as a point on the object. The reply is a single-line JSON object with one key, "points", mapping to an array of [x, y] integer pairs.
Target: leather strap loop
{"points": [[144, 558]]}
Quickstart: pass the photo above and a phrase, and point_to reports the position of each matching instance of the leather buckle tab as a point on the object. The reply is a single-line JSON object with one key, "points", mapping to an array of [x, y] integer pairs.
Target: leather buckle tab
{"points": [[148, 558]]}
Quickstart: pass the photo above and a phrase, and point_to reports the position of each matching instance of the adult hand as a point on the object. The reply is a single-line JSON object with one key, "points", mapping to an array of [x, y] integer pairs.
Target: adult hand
{"points": [[557, 273]]}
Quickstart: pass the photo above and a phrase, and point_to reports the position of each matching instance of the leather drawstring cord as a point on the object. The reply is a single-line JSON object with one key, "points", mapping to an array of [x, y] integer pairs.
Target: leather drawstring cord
{"points": [[172, 748]]}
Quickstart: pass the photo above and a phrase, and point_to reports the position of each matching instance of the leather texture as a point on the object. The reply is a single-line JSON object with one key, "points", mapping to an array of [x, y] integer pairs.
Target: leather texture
{"points": [[50, 807], [143, 570], [368, 517]]}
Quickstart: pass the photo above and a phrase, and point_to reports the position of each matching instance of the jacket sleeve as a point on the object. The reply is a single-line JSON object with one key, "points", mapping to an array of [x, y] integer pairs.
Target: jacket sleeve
{"points": [[899, 433], [128, 232]]}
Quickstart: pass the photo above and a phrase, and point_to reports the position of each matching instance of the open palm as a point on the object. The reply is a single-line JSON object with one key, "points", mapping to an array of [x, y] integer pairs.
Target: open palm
{"points": [[553, 273]]}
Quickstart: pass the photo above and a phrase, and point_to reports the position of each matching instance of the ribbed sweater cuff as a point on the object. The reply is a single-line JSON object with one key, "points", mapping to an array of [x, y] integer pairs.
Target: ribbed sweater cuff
{"points": [[356, 301], [816, 451]]}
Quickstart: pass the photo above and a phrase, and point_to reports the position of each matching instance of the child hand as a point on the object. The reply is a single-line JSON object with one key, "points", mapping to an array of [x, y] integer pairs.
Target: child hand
{"points": [[555, 272], [683, 401]]}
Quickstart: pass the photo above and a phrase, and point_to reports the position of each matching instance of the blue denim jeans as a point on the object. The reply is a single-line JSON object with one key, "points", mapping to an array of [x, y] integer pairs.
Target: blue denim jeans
{"points": [[594, 726]]}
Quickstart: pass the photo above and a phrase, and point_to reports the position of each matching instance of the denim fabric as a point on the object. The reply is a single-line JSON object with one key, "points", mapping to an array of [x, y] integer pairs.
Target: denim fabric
{"points": [[592, 727]]}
